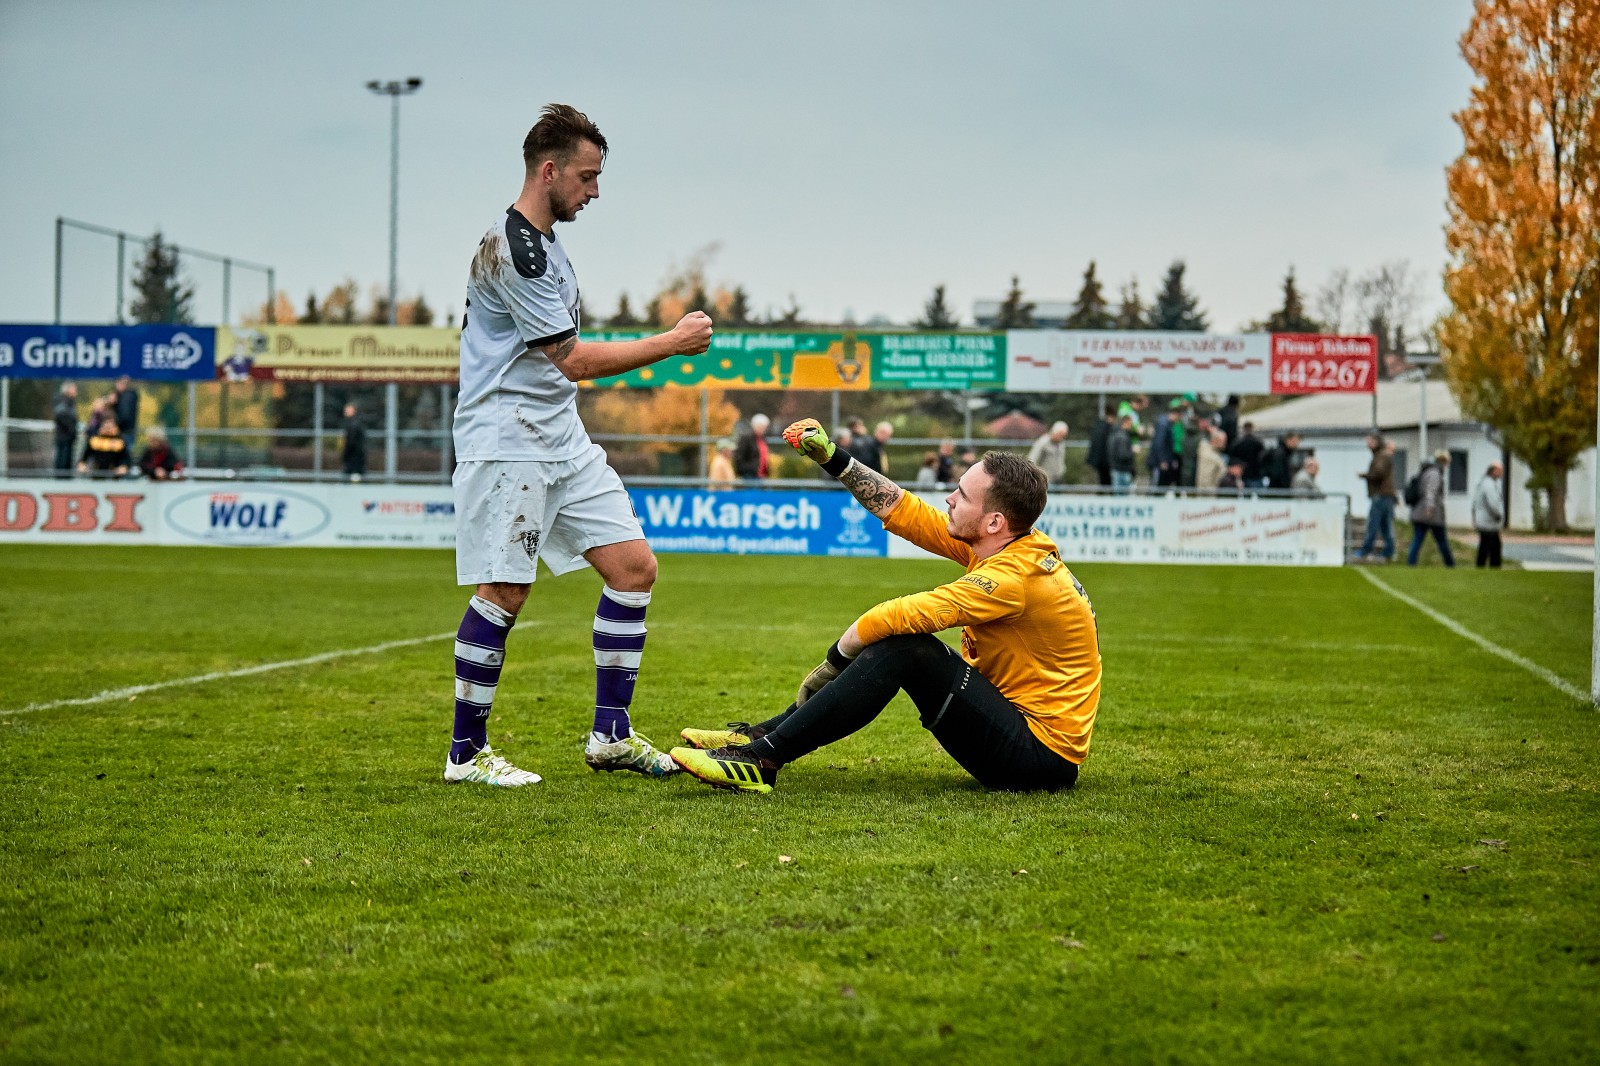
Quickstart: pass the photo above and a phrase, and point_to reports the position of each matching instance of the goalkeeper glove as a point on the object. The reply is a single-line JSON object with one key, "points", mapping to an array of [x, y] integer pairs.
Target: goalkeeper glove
{"points": [[819, 677], [809, 439]]}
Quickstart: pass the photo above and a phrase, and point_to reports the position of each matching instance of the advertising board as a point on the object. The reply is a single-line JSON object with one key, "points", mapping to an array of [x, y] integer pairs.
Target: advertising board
{"points": [[150, 353]]}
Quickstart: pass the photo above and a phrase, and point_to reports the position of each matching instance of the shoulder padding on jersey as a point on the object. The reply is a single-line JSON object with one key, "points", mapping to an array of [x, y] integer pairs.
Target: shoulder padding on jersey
{"points": [[526, 245]]}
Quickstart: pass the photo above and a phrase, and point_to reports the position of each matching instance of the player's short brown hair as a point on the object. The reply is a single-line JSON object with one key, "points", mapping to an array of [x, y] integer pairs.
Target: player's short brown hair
{"points": [[557, 134], [1018, 489]]}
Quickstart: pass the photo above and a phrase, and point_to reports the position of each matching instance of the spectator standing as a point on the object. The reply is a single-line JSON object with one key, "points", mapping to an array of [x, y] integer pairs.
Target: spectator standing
{"points": [[1099, 457], [1228, 421], [1232, 481], [1134, 408], [928, 472], [65, 416], [868, 451], [1488, 515], [1163, 459], [965, 461], [1208, 463], [1196, 428], [1281, 463], [354, 454], [947, 461], [158, 462], [106, 453], [1248, 451], [1428, 515], [719, 472], [98, 409], [750, 457], [1305, 479], [1049, 453], [125, 406], [1120, 454], [1379, 476]]}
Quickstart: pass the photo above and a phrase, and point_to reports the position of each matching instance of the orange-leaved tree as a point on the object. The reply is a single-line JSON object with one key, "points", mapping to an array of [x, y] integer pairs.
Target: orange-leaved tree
{"points": [[1524, 233]]}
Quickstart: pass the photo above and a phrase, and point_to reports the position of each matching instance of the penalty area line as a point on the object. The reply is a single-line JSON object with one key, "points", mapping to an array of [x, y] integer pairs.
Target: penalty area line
{"points": [[1549, 677], [221, 675]]}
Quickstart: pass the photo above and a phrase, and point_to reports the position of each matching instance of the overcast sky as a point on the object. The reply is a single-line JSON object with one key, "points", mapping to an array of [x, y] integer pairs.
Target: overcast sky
{"points": [[852, 154]]}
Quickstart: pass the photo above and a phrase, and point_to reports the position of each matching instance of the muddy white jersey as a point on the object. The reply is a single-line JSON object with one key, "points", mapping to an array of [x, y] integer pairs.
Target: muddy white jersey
{"points": [[515, 404]]}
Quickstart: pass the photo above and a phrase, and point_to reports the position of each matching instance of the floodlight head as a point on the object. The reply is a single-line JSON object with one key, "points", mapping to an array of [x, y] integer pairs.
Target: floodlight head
{"points": [[375, 86], [413, 84]]}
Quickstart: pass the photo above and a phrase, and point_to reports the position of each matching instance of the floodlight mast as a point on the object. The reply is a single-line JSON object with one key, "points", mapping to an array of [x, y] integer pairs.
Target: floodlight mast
{"points": [[394, 90]]}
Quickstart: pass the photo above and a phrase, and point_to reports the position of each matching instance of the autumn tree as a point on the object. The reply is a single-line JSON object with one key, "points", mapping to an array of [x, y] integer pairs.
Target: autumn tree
{"points": [[1176, 308], [1015, 313], [1524, 233], [936, 314], [1090, 310], [1131, 311]]}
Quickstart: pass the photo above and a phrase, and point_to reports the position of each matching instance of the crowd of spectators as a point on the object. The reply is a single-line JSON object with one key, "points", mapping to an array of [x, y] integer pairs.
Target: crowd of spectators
{"points": [[110, 437]]}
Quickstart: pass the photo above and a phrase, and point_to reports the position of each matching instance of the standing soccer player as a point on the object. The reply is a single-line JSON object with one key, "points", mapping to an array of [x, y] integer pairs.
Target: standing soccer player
{"points": [[529, 483]]}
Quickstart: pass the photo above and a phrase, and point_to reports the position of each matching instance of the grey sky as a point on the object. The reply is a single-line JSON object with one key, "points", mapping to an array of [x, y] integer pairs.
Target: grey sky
{"points": [[853, 154]]}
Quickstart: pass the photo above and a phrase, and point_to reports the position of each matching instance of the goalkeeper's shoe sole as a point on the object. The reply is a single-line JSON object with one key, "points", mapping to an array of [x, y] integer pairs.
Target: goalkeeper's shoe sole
{"points": [[730, 768], [705, 739]]}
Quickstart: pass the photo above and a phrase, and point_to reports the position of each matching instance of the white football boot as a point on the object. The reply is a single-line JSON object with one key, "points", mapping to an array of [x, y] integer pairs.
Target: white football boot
{"points": [[632, 752], [489, 769]]}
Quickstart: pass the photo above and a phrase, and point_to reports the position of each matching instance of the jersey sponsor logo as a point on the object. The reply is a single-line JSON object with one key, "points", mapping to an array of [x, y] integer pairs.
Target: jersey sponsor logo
{"points": [[987, 584], [1049, 562]]}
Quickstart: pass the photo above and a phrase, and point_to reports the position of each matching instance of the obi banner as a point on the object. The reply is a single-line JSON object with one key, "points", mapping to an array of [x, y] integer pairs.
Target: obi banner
{"points": [[405, 354], [1227, 530], [1161, 362], [849, 360], [150, 353]]}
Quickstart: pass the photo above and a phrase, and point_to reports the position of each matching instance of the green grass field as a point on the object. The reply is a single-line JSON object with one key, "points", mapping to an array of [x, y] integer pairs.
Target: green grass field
{"points": [[1315, 827]]}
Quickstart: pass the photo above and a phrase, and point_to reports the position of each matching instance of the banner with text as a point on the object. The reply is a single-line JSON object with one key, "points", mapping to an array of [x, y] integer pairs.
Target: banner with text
{"points": [[1161, 362], [150, 353], [848, 360], [758, 522], [405, 354], [1227, 530]]}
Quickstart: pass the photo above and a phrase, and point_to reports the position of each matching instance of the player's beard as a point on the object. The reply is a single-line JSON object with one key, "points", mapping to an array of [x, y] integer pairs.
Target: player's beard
{"points": [[562, 211]]}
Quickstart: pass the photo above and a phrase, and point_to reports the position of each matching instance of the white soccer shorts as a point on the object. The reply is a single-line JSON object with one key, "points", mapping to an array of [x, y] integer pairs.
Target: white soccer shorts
{"points": [[509, 515]]}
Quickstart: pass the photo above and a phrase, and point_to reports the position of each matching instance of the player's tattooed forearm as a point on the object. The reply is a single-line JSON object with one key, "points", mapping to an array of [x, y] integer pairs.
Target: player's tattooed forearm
{"points": [[559, 351], [877, 493]]}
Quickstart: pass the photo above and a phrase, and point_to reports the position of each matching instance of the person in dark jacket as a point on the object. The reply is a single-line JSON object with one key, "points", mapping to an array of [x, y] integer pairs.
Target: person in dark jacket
{"points": [[158, 462], [105, 454], [65, 416], [1099, 457], [125, 408], [1281, 463], [354, 455], [750, 458], [1248, 451], [1120, 455], [1427, 517], [1228, 420], [1379, 476], [1163, 459]]}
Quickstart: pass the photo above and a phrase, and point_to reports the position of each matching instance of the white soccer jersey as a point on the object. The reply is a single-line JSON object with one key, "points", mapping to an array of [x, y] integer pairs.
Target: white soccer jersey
{"points": [[514, 403]]}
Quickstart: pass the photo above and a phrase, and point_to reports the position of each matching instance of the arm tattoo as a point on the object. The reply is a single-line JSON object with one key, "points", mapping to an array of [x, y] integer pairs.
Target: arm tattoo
{"points": [[877, 493], [559, 351]]}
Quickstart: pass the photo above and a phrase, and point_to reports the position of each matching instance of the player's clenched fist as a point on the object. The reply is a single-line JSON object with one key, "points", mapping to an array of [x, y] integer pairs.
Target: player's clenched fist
{"points": [[809, 439], [693, 333]]}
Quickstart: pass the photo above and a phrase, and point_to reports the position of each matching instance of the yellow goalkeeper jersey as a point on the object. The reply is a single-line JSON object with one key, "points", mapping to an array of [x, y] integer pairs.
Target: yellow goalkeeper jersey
{"points": [[1028, 625]]}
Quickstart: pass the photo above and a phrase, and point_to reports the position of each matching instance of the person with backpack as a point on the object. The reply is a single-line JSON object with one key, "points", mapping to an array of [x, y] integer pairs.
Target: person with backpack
{"points": [[1427, 512], [1379, 476]]}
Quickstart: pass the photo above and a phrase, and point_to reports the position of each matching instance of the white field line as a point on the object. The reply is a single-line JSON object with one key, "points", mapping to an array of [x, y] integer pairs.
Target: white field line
{"points": [[220, 675], [1549, 677]]}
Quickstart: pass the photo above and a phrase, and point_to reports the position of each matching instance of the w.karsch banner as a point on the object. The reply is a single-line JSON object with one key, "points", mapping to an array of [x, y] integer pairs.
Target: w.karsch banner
{"points": [[758, 522], [152, 353]]}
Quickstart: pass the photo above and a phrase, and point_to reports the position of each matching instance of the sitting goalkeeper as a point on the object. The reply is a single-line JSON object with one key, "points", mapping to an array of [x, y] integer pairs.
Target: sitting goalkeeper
{"points": [[1015, 708]]}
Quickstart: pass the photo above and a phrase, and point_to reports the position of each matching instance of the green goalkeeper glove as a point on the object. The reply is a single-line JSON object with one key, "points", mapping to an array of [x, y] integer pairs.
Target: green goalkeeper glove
{"points": [[809, 439]]}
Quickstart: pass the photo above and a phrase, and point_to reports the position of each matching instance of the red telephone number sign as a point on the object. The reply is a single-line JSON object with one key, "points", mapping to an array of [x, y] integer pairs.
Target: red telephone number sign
{"points": [[1314, 362]]}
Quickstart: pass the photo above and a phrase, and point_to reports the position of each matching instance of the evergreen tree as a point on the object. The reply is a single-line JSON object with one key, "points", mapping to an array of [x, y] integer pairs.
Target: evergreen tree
{"points": [[738, 313], [698, 300], [160, 294], [1090, 310], [624, 318], [1014, 313], [791, 315], [936, 313], [1132, 313], [652, 312], [1292, 317], [1176, 307], [311, 316]]}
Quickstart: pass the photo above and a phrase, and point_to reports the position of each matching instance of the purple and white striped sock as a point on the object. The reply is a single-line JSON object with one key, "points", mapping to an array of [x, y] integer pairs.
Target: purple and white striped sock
{"points": [[480, 653], [618, 646]]}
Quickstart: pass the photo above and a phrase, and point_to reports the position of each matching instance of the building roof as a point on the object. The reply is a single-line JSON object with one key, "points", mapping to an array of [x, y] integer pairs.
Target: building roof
{"points": [[1399, 407]]}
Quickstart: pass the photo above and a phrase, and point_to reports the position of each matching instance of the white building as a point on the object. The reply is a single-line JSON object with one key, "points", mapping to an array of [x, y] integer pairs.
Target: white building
{"points": [[1336, 426]]}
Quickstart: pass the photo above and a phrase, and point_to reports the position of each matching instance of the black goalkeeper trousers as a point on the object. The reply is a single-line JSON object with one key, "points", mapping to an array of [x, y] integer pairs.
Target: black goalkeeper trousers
{"points": [[969, 717]]}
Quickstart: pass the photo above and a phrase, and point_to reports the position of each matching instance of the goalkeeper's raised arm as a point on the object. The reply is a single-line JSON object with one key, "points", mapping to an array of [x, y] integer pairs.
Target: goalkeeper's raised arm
{"points": [[874, 491]]}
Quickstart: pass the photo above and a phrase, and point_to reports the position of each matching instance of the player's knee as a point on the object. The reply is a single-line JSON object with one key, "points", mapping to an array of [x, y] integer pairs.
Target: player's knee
{"points": [[508, 597], [637, 575], [916, 647]]}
